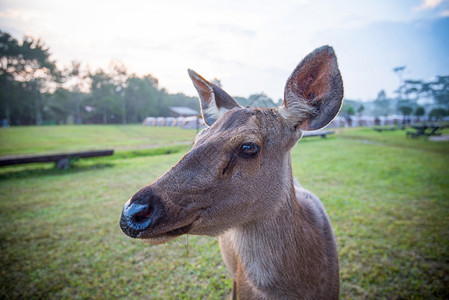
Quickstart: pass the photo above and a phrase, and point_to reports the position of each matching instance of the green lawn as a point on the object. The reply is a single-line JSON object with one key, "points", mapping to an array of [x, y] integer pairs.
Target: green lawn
{"points": [[387, 198], [47, 139]]}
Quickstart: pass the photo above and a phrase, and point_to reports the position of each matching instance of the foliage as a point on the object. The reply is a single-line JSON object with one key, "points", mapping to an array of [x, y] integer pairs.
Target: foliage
{"points": [[411, 94], [385, 194], [405, 110], [257, 100], [347, 110], [77, 81], [438, 113], [142, 97], [34, 91], [26, 70], [360, 109], [437, 89], [382, 104], [420, 111]]}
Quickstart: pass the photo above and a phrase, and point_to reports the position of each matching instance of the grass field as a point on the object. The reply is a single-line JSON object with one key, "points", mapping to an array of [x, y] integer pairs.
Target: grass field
{"points": [[38, 139], [387, 197]]}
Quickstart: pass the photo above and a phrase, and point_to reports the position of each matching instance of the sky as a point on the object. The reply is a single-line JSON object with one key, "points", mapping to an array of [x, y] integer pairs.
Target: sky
{"points": [[252, 46]]}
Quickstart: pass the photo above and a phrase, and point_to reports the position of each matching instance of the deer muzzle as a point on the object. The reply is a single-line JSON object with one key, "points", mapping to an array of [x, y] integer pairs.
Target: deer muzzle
{"points": [[140, 213]]}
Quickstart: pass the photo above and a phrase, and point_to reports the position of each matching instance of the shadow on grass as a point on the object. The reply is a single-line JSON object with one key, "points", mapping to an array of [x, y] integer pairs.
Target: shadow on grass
{"points": [[49, 170]]}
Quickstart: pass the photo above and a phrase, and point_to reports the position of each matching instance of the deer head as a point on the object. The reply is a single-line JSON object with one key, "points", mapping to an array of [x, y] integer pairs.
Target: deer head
{"points": [[238, 170]]}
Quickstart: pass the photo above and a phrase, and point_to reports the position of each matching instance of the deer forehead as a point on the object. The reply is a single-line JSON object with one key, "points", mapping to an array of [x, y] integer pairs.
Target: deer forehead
{"points": [[244, 125]]}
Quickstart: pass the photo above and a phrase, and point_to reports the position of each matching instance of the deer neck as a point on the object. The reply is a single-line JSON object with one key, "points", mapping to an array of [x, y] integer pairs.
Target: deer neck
{"points": [[280, 254]]}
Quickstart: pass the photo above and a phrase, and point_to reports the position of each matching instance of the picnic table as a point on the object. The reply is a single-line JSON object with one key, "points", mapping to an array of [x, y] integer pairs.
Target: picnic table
{"points": [[424, 130]]}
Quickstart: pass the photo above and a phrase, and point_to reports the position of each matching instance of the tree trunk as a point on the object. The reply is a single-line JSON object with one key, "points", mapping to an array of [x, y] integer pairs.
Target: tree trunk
{"points": [[37, 105], [123, 108], [7, 113], [77, 109]]}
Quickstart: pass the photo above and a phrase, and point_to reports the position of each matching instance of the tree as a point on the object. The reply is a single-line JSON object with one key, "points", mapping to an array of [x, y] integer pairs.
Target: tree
{"points": [[217, 82], [142, 97], [103, 99], [405, 107], [405, 110], [56, 106], [119, 76], [382, 105], [347, 111], [436, 90], [360, 110], [399, 71], [440, 90], [416, 89], [36, 71], [419, 112], [76, 81], [258, 100], [9, 54], [25, 69], [33, 90], [438, 113]]}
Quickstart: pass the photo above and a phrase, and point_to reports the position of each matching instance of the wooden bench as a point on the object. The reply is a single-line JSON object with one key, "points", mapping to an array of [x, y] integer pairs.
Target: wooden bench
{"points": [[322, 134], [61, 160]]}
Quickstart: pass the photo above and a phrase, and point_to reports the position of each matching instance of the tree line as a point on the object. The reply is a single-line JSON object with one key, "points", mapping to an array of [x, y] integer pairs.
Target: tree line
{"points": [[35, 91], [425, 99]]}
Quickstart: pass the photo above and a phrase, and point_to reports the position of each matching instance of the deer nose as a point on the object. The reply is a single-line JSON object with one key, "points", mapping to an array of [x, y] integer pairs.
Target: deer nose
{"points": [[140, 213]]}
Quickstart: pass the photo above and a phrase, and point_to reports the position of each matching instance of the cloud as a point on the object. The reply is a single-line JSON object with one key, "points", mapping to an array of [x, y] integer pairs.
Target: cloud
{"points": [[429, 4], [9, 14], [251, 46], [14, 15], [233, 29]]}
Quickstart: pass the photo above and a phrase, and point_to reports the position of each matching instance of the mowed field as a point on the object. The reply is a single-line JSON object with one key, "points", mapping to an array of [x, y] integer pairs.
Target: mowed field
{"points": [[50, 139], [387, 197]]}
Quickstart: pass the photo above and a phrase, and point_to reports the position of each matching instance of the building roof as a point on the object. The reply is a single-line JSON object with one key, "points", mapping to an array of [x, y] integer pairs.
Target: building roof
{"points": [[184, 111]]}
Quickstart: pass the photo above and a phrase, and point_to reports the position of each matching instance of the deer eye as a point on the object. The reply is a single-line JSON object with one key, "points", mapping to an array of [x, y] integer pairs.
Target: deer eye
{"points": [[249, 150]]}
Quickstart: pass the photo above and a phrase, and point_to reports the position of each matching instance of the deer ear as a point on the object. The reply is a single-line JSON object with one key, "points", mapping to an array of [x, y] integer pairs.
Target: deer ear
{"points": [[314, 91], [214, 101]]}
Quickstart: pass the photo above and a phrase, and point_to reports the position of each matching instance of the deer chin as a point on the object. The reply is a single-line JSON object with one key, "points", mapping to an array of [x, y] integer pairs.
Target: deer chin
{"points": [[162, 238], [158, 240]]}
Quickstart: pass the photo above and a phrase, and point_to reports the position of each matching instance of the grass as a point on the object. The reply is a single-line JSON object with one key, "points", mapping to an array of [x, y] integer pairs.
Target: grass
{"points": [[389, 209], [46, 139], [396, 138], [59, 234]]}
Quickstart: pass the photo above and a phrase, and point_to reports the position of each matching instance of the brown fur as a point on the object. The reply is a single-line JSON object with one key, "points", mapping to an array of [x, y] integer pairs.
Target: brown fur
{"points": [[275, 236]]}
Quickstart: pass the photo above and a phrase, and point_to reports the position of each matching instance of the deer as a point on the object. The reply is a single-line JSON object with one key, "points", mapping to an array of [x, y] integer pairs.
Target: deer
{"points": [[236, 183]]}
